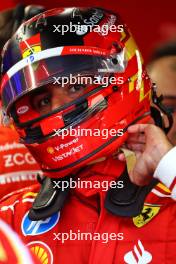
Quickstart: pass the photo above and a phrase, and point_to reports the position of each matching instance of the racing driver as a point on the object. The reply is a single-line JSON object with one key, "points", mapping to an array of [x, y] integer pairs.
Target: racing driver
{"points": [[60, 220]]}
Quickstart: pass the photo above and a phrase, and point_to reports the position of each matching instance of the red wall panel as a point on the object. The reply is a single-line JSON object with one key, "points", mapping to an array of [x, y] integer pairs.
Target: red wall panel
{"points": [[150, 21]]}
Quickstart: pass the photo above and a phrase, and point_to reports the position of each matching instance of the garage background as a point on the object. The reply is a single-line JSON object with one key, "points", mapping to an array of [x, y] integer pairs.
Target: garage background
{"points": [[152, 22]]}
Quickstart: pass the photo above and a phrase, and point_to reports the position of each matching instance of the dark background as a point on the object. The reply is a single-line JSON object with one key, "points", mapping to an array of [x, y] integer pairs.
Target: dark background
{"points": [[151, 21]]}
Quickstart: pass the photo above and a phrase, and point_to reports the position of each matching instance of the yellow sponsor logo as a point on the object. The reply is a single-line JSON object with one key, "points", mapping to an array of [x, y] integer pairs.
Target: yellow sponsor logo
{"points": [[29, 194], [50, 150], [42, 251], [147, 214], [30, 51]]}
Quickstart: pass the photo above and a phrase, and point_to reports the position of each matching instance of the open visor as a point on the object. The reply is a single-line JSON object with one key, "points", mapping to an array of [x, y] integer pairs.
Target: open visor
{"points": [[30, 74]]}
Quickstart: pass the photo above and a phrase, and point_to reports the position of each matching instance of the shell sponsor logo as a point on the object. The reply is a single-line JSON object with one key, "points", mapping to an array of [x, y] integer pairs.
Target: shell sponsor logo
{"points": [[42, 251], [50, 150]]}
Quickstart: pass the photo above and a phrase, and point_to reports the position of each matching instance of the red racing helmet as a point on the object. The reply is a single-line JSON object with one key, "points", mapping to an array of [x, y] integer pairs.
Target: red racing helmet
{"points": [[86, 60]]}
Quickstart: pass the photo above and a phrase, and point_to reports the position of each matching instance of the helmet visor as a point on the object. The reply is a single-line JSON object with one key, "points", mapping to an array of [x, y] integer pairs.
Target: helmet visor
{"points": [[63, 71]]}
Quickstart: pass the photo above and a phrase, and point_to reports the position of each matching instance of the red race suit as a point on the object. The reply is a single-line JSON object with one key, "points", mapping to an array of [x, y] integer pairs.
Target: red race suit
{"points": [[18, 168], [85, 232], [12, 250]]}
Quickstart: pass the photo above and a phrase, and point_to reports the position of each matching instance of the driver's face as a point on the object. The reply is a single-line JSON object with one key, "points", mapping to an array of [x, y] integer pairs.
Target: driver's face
{"points": [[51, 97]]}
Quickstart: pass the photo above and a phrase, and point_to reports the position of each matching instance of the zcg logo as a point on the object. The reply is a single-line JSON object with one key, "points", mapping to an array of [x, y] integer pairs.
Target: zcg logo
{"points": [[18, 159]]}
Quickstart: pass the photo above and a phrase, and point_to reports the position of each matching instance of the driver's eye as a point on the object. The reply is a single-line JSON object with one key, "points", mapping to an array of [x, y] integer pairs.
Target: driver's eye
{"points": [[43, 102]]}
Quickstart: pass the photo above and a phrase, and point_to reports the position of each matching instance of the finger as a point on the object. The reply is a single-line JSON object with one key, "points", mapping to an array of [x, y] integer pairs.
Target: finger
{"points": [[121, 157], [137, 128], [136, 147], [138, 138]]}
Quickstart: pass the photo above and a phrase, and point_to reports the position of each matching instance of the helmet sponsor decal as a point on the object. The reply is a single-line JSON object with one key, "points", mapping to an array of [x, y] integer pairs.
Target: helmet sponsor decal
{"points": [[22, 109], [95, 18], [33, 228], [32, 50], [30, 45]]}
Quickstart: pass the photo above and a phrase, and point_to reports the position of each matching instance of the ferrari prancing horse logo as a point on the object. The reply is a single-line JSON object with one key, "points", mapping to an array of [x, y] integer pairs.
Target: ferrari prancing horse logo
{"points": [[148, 212]]}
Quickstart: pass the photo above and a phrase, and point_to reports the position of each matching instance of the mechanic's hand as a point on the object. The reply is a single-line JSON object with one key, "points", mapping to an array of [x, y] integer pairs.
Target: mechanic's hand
{"points": [[150, 144]]}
